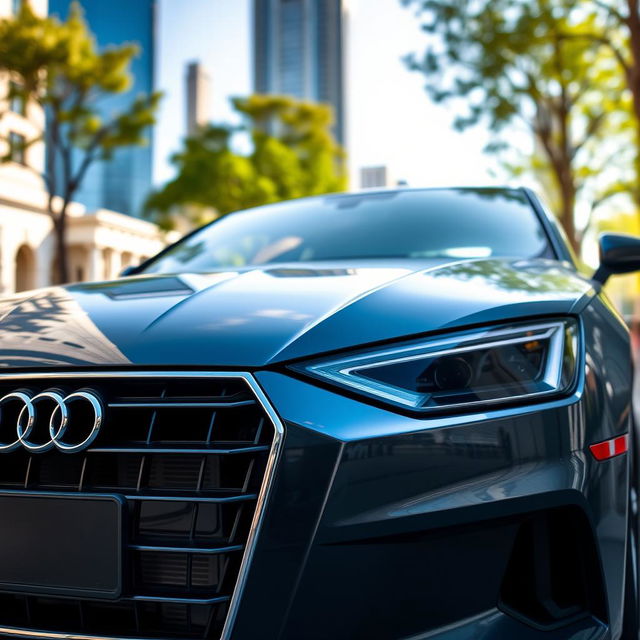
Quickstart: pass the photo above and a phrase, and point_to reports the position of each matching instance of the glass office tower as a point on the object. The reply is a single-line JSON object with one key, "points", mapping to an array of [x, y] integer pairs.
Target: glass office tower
{"points": [[299, 50], [123, 183]]}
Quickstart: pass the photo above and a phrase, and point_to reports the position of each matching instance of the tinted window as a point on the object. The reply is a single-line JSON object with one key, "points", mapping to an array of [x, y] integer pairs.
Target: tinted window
{"points": [[455, 223]]}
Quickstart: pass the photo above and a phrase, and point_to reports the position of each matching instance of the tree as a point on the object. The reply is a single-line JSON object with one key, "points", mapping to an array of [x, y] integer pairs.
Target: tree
{"points": [[294, 135], [517, 62], [211, 180], [293, 154], [615, 24], [57, 65]]}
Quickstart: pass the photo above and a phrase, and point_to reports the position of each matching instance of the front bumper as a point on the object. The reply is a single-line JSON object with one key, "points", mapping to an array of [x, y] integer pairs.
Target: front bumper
{"points": [[384, 526]]}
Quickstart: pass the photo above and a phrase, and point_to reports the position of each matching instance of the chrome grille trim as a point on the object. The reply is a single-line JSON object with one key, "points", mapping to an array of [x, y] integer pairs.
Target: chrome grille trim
{"points": [[55, 635], [261, 498], [177, 450]]}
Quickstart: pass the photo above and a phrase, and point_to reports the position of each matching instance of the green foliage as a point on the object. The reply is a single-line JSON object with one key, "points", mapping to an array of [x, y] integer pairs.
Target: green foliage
{"points": [[615, 26], [293, 155], [524, 64], [58, 66], [211, 178]]}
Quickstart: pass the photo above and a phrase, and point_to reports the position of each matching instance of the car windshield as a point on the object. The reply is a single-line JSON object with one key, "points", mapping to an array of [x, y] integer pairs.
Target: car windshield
{"points": [[411, 224]]}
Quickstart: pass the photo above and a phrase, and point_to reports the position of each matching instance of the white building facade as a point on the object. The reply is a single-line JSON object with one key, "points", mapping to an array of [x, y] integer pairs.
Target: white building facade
{"points": [[100, 243]]}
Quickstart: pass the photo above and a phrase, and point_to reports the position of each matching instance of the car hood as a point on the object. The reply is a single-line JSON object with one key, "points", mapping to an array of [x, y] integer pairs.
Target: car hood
{"points": [[259, 316]]}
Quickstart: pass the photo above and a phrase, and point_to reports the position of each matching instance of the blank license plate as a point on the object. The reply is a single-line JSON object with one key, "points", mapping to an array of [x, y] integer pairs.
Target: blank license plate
{"points": [[62, 544]]}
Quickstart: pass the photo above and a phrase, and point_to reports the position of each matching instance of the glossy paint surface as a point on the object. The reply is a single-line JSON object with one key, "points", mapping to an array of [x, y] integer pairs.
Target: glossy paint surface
{"points": [[412, 536], [620, 253], [261, 316]]}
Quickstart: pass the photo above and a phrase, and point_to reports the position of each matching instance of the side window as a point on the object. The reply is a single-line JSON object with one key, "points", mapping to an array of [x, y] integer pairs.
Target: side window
{"points": [[17, 104], [17, 150]]}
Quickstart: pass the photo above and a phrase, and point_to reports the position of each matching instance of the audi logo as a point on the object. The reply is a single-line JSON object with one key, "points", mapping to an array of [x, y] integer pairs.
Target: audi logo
{"points": [[56, 408]]}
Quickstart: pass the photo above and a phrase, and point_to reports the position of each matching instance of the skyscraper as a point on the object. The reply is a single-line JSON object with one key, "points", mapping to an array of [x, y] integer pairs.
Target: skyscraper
{"points": [[198, 89], [299, 50], [374, 177], [122, 183]]}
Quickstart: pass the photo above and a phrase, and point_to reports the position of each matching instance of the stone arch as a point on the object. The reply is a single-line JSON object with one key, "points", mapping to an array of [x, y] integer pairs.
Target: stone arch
{"points": [[25, 265]]}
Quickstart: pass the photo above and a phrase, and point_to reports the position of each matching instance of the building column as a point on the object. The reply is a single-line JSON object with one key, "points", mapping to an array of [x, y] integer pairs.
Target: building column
{"points": [[116, 264], [95, 269], [44, 258], [7, 263]]}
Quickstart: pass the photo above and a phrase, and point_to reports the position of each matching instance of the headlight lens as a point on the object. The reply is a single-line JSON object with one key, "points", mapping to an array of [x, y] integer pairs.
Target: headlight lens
{"points": [[483, 367]]}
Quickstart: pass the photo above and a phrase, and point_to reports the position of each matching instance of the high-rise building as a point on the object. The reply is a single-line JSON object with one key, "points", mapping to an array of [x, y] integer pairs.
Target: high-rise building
{"points": [[372, 177], [123, 183], [379, 176], [299, 50], [198, 90]]}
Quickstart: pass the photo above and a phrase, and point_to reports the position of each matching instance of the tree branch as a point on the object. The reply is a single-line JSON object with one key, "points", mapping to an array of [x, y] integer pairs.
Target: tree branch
{"points": [[598, 201], [604, 40], [89, 157], [612, 11], [591, 130]]}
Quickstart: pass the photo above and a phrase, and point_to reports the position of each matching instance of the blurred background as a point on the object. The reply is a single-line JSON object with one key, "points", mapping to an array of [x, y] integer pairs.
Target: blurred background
{"points": [[126, 123]]}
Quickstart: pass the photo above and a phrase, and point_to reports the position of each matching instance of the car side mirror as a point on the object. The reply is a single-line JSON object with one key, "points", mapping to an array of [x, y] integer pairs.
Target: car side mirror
{"points": [[619, 253], [127, 271]]}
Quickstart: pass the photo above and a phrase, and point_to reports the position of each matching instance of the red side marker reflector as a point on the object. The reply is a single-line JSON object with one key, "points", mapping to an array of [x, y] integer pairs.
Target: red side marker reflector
{"points": [[610, 448]]}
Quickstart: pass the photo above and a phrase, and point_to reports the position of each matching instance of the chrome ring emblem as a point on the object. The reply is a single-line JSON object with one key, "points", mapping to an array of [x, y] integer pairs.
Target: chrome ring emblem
{"points": [[59, 420], [17, 396]]}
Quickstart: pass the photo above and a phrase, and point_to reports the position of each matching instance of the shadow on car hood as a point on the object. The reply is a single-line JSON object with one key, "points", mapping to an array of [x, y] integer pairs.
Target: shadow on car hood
{"points": [[258, 316]]}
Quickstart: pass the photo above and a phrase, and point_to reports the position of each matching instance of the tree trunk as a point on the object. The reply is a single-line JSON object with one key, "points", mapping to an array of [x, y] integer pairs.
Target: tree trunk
{"points": [[567, 213], [61, 260], [560, 164], [633, 80], [635, 93], [60, 267]]}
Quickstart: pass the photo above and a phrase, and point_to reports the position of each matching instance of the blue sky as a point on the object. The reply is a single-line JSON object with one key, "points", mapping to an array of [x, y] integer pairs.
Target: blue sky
{"points": [[391, 120]]}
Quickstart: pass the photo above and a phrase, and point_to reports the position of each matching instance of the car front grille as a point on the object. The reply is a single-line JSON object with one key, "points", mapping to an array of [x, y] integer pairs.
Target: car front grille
{"points": [[192, 455]]}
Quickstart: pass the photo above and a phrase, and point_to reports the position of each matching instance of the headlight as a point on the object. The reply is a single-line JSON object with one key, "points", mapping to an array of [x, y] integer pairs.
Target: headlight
{"points": [[482, 367]]}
